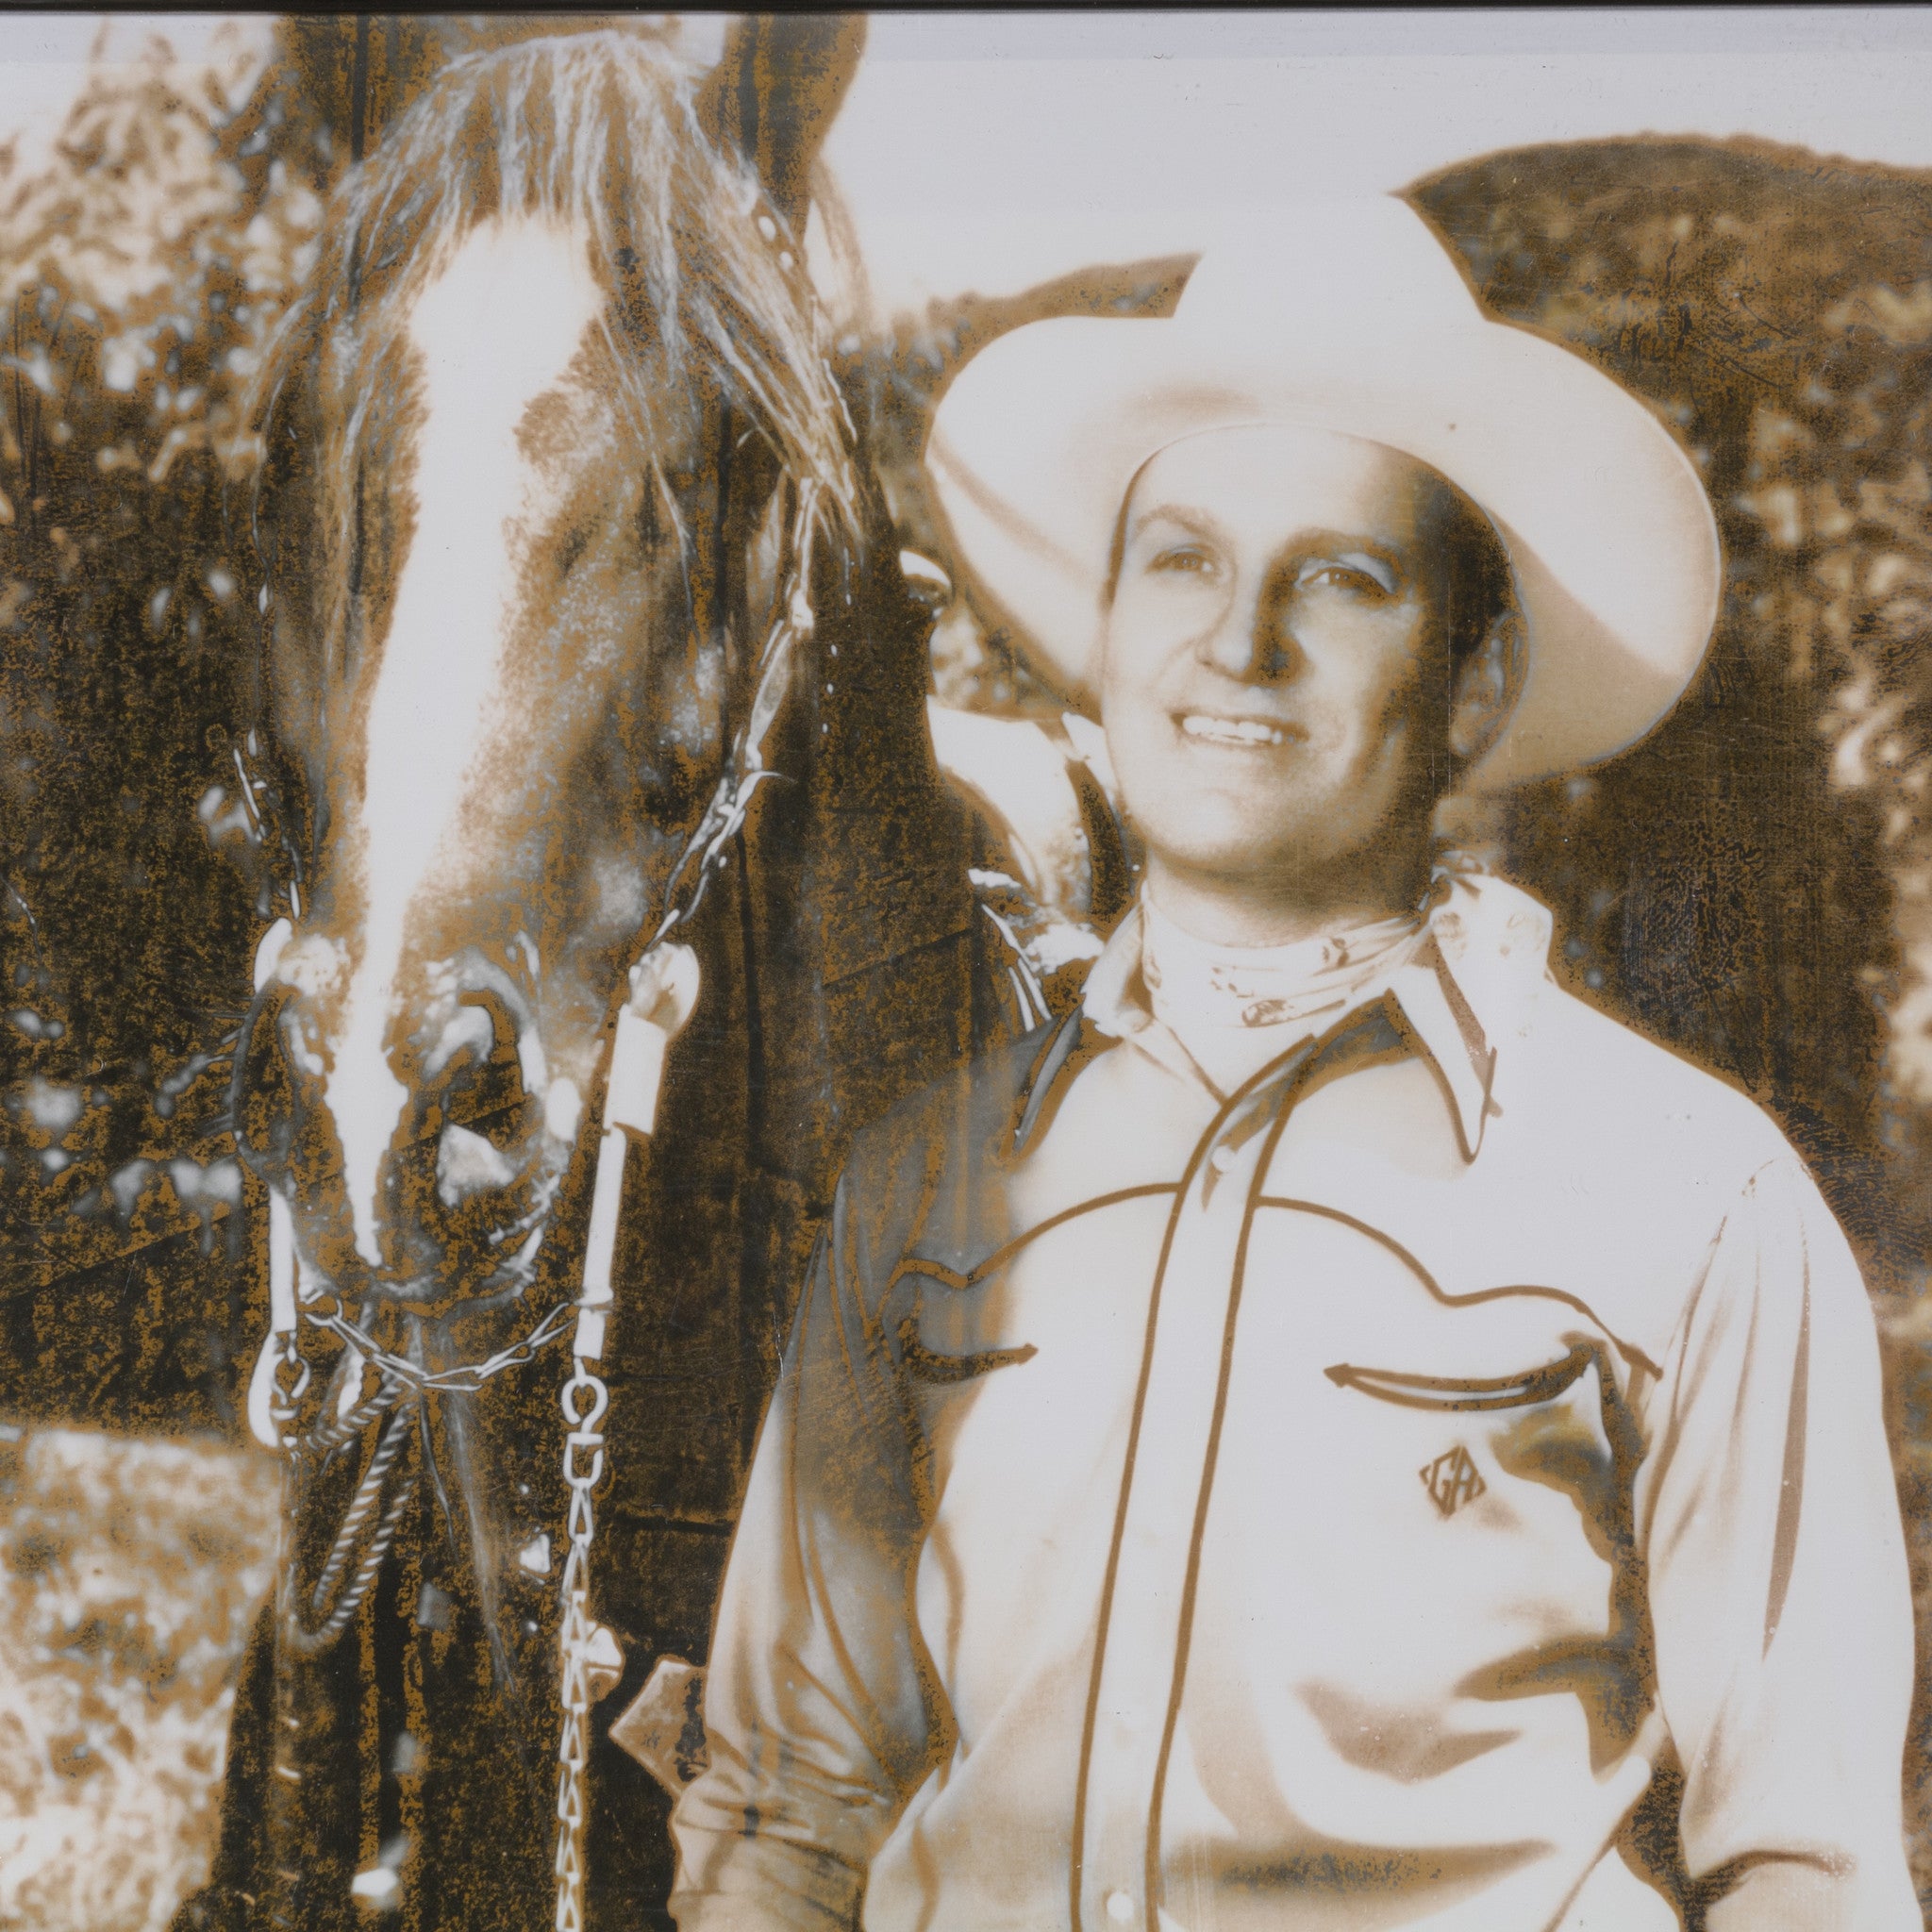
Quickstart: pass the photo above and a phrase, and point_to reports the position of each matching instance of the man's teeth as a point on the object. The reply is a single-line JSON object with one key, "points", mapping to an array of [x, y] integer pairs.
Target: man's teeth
{"points": [[1232, 730]]}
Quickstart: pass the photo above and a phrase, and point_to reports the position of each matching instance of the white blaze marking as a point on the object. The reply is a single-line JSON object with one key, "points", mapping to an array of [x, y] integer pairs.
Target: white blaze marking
{"points": [[496, 329], [563, 1108]]}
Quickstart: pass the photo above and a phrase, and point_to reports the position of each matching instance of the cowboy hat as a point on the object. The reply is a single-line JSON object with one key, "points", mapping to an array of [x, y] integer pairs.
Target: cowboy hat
{"points": [[1349, 317]]}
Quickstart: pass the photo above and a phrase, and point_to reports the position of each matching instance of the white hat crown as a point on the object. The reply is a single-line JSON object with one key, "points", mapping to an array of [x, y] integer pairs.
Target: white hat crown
{"points": [[1371, 267]]}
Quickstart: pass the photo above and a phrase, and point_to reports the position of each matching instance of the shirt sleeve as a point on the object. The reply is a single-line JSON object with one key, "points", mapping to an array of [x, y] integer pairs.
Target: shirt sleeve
{"points": [[817, 1703], [1780, 1602]]}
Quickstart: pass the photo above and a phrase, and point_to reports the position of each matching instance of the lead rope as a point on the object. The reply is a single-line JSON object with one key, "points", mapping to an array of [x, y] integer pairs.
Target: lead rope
{"points": [[663, 991]]}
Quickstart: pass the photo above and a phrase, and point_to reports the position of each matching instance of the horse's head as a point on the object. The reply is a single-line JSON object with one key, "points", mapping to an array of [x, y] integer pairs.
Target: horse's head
{"points": [[535, 435]]}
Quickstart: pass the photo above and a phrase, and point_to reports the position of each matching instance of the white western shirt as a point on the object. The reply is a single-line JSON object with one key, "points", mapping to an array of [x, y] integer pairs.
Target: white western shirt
{"points": [[1441, 1486]]}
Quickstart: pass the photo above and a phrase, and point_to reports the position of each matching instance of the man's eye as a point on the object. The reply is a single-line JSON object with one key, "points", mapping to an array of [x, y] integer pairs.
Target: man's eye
{"points": [[1346, 577], [1186, 560]]}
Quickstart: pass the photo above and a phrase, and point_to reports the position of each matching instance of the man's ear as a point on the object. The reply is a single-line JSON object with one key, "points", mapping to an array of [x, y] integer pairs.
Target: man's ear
{"points": [[1487, 684]]}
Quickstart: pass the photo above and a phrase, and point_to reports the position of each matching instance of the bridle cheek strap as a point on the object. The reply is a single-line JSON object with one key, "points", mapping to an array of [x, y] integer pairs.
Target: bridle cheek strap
{"points": [[664, 991], [664, 986]]}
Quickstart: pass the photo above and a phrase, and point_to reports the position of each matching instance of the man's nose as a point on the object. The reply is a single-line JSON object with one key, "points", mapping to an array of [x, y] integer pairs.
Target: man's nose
{"points": [[1254, 642]]}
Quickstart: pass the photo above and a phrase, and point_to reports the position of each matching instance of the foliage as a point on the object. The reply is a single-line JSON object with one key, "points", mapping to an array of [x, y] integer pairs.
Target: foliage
{"points": [[142, 271], [1776, 309], [129, 1574]]}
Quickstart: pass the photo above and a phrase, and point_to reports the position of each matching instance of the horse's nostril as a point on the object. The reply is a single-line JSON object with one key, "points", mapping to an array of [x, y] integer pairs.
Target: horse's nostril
{"points": [[469, 1036], [467, 1164], [471, 1064]]}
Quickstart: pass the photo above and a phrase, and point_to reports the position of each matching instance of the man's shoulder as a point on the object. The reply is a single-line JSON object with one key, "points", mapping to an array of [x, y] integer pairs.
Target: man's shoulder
{"points": [[1642, 1155], [970, 1102], [1623, 1162], [1606, 1079], [1636, 1090], [928, 1157]]}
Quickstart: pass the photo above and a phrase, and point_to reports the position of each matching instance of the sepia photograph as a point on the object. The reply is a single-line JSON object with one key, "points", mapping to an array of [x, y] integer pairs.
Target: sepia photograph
{"points": [[966, 971]]}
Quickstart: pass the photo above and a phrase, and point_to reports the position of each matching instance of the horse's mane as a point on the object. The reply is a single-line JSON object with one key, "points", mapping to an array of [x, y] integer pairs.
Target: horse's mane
{"points": [[599, 128]]}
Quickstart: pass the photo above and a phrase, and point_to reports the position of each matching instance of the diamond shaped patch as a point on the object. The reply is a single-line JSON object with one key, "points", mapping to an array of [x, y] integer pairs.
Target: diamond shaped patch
{"points": [[1452, 1480]]}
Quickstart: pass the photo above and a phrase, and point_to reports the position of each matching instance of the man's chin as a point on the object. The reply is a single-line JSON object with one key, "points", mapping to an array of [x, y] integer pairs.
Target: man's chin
{"points": [[1238, 864]]}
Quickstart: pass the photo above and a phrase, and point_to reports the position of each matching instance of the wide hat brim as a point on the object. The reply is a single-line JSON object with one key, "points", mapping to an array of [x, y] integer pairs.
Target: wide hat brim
{"points": [[1351, 318]]}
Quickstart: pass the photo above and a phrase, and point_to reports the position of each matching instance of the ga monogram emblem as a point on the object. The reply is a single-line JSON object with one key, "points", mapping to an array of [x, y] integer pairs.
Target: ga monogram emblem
{"points": [[1452, 1480]]}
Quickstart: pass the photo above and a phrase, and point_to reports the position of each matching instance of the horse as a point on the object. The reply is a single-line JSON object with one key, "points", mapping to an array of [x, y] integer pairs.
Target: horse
{"points": [[557, 498]]}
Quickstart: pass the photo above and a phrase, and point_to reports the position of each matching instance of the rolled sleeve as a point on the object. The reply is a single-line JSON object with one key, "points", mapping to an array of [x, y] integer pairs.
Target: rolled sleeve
{"points": [[818, 1699], [1778, 1588]]}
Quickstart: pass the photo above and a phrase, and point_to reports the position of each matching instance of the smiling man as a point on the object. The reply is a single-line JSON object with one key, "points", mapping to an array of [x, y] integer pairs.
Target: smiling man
{"points": [[1337, 1433]]}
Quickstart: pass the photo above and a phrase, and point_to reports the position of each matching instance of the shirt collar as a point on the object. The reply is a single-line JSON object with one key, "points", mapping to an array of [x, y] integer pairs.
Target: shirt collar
{"points": [[1464, 996]]}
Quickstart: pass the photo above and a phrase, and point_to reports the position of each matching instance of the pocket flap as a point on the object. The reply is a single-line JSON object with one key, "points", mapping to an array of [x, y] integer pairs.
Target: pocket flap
{"points": [[1466, 1392], [923, 1365]]}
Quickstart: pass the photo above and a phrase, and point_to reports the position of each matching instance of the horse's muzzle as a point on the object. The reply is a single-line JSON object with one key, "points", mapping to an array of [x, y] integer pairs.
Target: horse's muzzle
{"points": [[463, 1189]]}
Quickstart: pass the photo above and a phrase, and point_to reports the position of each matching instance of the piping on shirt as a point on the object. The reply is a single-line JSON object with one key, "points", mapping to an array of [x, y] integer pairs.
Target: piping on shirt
{"points": [[1474, 1297], [1288, 1072]]}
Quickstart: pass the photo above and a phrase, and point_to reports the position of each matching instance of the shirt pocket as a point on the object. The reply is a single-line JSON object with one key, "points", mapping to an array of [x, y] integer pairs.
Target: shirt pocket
{"points": [[1516, 1438]]}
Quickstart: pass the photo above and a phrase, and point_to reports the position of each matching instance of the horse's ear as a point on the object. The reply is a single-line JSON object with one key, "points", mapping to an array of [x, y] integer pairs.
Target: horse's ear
{"points": [[774, 92]]}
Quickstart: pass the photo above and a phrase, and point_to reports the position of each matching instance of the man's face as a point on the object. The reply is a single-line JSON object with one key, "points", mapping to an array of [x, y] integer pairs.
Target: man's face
{"points": [[1275, 678]]}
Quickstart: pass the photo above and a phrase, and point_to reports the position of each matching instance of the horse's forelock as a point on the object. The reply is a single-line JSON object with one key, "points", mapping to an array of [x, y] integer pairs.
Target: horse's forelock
{"points": [[599, 128]]}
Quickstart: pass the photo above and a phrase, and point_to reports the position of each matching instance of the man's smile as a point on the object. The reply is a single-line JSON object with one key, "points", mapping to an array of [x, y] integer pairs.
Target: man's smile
{"points": [[1214, 728]]}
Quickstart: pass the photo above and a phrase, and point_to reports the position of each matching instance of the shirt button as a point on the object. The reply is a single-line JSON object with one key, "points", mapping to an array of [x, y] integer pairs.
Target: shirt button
{"points": [[1222, 1159], [1120, 1907]]}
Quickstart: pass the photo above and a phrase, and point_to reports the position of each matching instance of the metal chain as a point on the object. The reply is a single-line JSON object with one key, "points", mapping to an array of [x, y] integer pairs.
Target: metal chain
{"points": [[467, 1379], [585, 1401], [745, 769], [585, 1397], [285, 1779]]}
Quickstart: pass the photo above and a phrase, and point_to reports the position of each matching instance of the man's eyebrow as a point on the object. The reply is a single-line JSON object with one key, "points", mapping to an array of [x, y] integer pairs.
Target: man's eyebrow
{"points": [[1198, 521]]}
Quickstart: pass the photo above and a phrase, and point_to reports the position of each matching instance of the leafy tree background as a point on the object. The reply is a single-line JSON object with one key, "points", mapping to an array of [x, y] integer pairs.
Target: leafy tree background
{"points": [[1753, 885]]}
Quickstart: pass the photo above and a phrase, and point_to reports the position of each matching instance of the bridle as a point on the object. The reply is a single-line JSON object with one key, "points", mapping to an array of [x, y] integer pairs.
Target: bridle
{"points": [[632, 1060], [703, 855]]}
